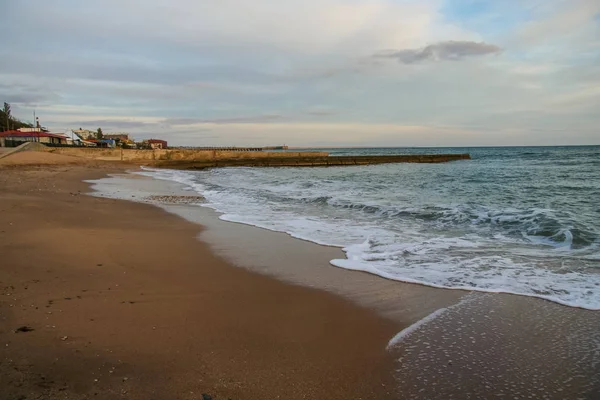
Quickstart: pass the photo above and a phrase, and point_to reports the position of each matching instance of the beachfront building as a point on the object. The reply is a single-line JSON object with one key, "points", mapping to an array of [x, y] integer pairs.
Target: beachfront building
{"points": [[157, 143], [121, 140], [104, 143], [76, 140], [117, 136], [22, 135], [85, 134]]}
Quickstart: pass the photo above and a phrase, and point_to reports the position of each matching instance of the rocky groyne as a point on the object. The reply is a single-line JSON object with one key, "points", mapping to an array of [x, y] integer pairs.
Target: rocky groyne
{"points": [[310, 161]]}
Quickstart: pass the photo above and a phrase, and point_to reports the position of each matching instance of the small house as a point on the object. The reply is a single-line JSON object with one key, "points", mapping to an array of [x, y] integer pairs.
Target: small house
{"points": [[157, 144], [16, 137]]}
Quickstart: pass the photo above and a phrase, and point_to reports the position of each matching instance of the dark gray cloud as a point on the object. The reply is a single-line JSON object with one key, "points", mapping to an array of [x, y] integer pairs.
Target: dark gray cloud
{"points": [[441, 51], [26, 95], [233, 120]]}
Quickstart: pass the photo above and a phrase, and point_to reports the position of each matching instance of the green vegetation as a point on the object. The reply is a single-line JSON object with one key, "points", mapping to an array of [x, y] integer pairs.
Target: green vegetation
{"points": [[99, 134], [8, 122]]}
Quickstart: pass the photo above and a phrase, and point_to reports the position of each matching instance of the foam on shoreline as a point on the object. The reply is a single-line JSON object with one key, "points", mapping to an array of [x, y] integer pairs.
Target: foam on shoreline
{"points": [[470, 263], [406, 332]]}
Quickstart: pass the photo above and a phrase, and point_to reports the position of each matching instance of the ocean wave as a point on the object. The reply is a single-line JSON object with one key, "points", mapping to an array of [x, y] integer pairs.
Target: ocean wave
{"points": [[483, 273], [458, 234], [536, 225]]}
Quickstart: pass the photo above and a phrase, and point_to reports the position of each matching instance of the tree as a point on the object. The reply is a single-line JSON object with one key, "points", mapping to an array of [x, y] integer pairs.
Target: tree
{"points": [[99, 134], [6, 111], [8, 121]]}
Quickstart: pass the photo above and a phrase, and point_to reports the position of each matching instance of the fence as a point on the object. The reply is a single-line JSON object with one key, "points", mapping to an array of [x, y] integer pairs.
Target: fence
{"points": [[63, 145]]}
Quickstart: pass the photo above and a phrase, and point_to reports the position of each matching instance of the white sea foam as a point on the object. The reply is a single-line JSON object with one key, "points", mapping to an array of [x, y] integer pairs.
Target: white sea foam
{"points": [[403, 236], [485, 273], [406, 332]]}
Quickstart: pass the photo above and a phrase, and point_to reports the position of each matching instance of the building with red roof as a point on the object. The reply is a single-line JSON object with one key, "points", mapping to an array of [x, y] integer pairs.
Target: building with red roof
{"points": [[157, 143], [8, 138]]}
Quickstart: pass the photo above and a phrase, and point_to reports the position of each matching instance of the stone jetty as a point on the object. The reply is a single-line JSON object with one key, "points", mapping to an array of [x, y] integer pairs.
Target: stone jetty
{"points": [[198, 158]]}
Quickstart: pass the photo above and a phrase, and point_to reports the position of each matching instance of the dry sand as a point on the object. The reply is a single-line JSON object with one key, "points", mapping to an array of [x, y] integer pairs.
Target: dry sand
{"points": [[38, 158], [125, 302]]}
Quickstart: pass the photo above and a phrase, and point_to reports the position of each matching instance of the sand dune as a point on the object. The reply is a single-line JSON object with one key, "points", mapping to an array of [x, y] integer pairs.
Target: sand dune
{"points": [[39, 158]]}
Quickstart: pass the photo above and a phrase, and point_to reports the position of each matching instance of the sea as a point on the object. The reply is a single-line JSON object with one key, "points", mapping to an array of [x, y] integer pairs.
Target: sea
{"points": [[520, 220]]}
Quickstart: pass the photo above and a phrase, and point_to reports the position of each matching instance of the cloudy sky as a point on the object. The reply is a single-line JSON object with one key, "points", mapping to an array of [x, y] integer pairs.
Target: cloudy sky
{"points": [[308, 72]]}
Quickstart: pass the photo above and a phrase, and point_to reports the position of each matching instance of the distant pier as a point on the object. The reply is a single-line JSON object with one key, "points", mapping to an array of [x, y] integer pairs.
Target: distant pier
{"points": [[223, 148], [187, 158]]}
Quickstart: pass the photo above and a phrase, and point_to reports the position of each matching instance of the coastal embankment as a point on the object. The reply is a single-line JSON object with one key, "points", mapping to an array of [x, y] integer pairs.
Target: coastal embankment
{"points": [[197, 159], [178, 155]]}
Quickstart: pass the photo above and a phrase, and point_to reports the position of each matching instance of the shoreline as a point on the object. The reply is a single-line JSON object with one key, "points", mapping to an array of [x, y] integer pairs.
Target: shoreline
{"points": [[102, 308], [287, 258], [525, 351], [481, 346], [206, 215]]}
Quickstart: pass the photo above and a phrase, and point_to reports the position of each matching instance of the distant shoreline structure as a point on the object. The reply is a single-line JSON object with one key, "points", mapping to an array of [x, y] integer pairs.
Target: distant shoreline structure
{"points": [[439, 147], [192, 158], [230, 148]]}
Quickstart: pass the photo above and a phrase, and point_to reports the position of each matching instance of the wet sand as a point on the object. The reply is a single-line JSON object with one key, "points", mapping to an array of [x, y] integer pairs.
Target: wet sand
{"points": [[125, 302], [479, 345]]}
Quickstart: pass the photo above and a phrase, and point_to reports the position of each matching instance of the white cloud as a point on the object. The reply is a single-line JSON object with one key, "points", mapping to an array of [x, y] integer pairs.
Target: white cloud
{"points": [[308, 26], [147, 64]]}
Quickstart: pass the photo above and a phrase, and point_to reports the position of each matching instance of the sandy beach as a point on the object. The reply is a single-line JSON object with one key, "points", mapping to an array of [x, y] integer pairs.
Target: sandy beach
{"points": [[107, 298], [124, 302]]}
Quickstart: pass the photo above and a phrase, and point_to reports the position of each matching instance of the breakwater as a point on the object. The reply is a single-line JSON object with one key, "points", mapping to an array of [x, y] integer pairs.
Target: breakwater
{"points": [[197, 159], [310, 161]]}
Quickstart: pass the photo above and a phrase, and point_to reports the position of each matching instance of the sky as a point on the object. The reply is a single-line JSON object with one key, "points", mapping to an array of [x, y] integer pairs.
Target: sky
{"points": [[308, 72]]}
